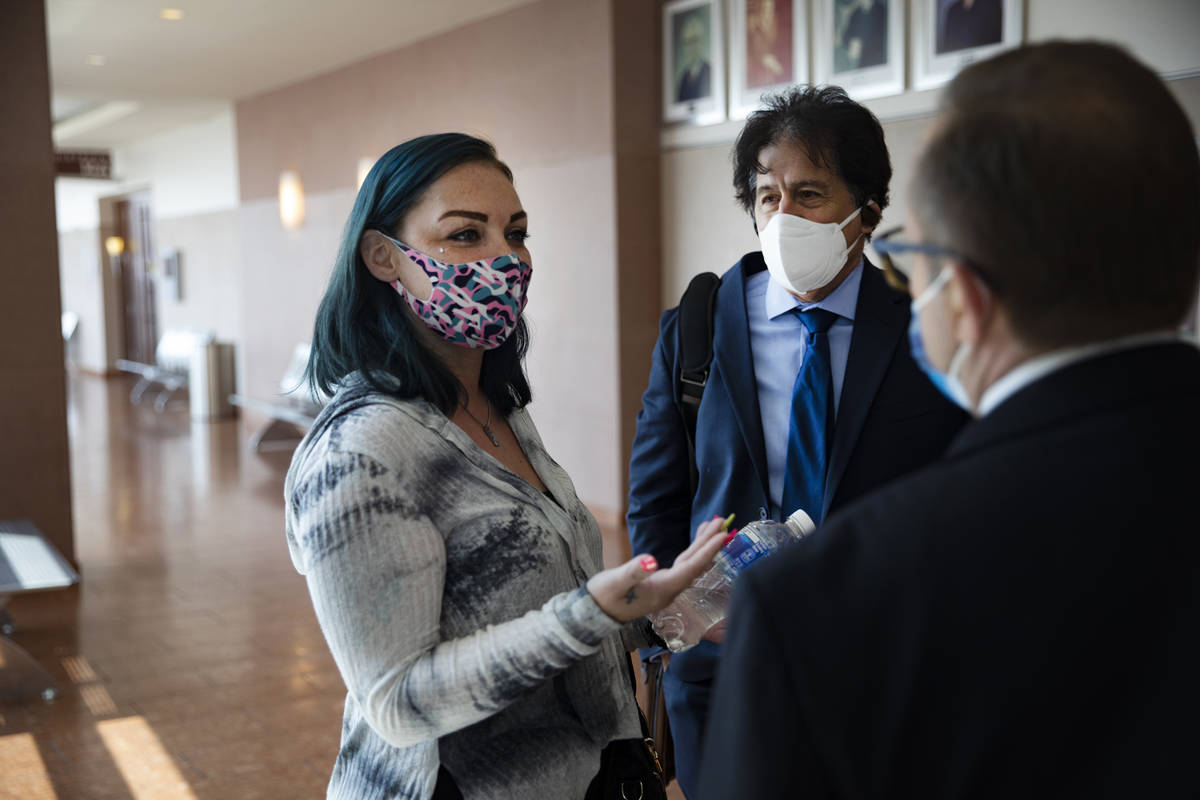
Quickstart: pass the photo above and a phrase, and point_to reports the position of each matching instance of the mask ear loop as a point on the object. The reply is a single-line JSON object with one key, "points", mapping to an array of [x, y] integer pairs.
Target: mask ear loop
{"points": [[953, 382], [965, 348], [847, 220], [956, 361], [931, 291]]}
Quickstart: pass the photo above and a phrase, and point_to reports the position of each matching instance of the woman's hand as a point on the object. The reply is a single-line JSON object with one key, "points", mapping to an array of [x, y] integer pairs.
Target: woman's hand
{"points": [[638, 587]]}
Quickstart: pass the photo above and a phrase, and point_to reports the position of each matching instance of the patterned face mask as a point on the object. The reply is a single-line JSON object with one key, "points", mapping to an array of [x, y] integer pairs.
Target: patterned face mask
{"points": [[475, 304]]}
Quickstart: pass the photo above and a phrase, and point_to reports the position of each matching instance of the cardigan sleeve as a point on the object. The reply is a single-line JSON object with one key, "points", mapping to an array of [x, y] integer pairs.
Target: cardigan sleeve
{"points": [[375, 567]]}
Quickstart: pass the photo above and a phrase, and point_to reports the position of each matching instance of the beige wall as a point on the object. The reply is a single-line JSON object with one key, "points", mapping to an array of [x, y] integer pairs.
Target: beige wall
{"points": [[704, 230], [34, 462], [82, 278], [578, 127], [211, 267]]}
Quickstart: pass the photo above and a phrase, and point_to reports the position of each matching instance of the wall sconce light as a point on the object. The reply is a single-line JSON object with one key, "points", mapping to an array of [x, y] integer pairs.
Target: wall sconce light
{"points": [[114, 246], [291, 200], [364, 166]]}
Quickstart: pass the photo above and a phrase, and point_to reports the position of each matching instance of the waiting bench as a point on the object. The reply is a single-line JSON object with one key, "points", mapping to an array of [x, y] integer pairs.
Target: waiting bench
{"points": [[28, 563], [292, 413], [169, 372]]}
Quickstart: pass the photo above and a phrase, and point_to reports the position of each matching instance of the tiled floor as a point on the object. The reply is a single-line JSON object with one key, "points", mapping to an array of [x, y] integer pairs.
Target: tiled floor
{"points": [[189, 660]]}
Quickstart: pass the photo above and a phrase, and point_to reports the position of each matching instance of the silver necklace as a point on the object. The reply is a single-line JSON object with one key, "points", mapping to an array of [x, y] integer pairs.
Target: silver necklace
{"points": [[487, 426]]}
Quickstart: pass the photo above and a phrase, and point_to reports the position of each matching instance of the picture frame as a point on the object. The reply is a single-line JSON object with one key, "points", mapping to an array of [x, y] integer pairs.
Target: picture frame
{"points": [[948, 35], [173, 275], [693, 69], [768, 50], [859, 45]]}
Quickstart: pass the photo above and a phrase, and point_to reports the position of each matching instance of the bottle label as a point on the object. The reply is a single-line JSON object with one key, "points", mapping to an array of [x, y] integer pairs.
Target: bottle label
{"points": [[742, 551]]}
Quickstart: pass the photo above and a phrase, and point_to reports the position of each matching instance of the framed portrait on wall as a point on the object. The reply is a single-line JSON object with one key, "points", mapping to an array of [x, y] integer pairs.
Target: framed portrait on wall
{"points": [[768, 50], [859, 45], [950, 34], [693, 61]]}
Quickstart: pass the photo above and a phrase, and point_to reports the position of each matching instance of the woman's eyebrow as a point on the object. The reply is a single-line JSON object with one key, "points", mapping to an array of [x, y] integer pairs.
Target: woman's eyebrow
{"points": [[467, 214], [478, 216]]}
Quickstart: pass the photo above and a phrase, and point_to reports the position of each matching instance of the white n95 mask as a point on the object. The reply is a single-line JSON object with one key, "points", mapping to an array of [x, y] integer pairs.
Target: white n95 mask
{"points": [[801, 255]]}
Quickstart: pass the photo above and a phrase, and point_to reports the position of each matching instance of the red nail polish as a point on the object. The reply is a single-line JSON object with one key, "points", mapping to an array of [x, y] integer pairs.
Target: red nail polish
{"points": [[649, 563]]}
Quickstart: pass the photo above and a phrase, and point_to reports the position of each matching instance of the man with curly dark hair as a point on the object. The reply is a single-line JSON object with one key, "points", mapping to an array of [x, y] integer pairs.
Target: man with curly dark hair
{"points": [[812, 398]]}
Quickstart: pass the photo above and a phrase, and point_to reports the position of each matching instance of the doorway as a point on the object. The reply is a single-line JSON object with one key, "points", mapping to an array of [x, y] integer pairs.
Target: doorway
{"points": [[132, 312]]}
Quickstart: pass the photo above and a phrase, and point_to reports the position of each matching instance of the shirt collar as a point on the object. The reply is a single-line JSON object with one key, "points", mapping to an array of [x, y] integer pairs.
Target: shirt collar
{"points": [[1042, 365], [842, 301]]}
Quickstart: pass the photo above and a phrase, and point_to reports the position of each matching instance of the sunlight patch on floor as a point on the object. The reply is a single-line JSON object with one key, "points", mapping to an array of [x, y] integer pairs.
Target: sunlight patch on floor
{"points": [[98, 700], [78, 669], [24, 771], [144, 764]]}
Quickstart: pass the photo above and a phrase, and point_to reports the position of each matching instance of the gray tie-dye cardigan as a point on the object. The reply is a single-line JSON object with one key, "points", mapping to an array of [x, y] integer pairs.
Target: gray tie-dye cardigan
{"points": [[450, 593]]}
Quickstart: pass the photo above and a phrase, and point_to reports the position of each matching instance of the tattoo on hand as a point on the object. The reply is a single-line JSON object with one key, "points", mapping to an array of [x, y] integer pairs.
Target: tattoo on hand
{"points": [[630, 597]]}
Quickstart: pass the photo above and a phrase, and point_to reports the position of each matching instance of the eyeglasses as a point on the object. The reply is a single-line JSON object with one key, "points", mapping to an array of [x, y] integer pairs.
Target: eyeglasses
{"points": [[897, 259]]}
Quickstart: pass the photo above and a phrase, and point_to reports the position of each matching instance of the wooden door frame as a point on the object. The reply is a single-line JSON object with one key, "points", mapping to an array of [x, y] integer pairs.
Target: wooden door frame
{"points": [[120, 341]]}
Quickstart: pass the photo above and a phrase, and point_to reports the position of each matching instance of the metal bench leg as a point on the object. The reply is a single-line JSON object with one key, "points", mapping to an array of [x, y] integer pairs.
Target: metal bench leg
{"points": [[20, 676], [139, 389], [277, 434], [164, 397]]}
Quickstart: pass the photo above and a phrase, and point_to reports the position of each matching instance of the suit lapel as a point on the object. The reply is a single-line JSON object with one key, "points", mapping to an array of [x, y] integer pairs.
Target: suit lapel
{"points": [[880, 320], [735, 362]]}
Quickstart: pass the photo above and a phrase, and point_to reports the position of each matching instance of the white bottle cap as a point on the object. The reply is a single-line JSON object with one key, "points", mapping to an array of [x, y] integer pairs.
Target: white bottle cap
{"points": [[801, 523]]}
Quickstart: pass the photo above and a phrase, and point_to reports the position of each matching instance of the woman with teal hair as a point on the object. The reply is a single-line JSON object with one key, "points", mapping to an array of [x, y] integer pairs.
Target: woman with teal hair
{"points": [[456, 575]]}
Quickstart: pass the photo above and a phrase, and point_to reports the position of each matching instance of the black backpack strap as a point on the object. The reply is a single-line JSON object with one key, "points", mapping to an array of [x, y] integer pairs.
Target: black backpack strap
{"points": [[695, 333]]}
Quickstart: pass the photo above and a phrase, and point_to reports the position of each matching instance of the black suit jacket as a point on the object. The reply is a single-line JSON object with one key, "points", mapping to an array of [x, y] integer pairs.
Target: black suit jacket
{"points": [[1020, 620]]}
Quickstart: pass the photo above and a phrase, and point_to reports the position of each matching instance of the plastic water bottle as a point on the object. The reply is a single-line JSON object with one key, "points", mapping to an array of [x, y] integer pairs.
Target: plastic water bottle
{"points": [[706, 602]]}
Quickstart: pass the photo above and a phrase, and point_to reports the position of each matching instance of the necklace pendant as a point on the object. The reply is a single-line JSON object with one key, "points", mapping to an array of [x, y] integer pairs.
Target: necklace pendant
{"points": [[488, 432]]}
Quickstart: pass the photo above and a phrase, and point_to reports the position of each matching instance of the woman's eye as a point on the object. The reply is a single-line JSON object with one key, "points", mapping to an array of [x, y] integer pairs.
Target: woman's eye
{"points": [[769, 199], [467, 236], [519, 236]]}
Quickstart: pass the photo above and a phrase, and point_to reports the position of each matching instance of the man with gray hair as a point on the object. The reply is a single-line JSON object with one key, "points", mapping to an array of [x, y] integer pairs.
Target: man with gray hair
{"points": [[1021, 618]]}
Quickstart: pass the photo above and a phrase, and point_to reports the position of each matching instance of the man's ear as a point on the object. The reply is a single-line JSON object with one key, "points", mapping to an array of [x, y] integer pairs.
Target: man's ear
{"points": [[379, 256], [871, 215], [971, 301]]}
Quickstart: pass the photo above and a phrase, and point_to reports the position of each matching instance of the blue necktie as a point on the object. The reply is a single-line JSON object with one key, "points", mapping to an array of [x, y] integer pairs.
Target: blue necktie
{"points": [[811, 428]]}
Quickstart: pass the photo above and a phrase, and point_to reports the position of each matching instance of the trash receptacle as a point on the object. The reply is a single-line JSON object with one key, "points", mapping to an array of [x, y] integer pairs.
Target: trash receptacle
{"points": [[210, 381]]}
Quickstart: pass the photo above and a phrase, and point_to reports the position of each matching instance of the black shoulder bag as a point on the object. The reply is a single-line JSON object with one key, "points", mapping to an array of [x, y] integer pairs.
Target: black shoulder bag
{"points": [[695, 339]]}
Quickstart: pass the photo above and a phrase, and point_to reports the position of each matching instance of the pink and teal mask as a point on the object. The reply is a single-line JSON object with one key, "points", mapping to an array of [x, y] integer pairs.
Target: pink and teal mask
{"points": [[473, 305]]}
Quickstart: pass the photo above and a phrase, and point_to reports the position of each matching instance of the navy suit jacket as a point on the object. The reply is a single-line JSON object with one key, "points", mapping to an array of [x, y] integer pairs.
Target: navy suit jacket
{"points": [[1021, 619], [891, 420]]}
